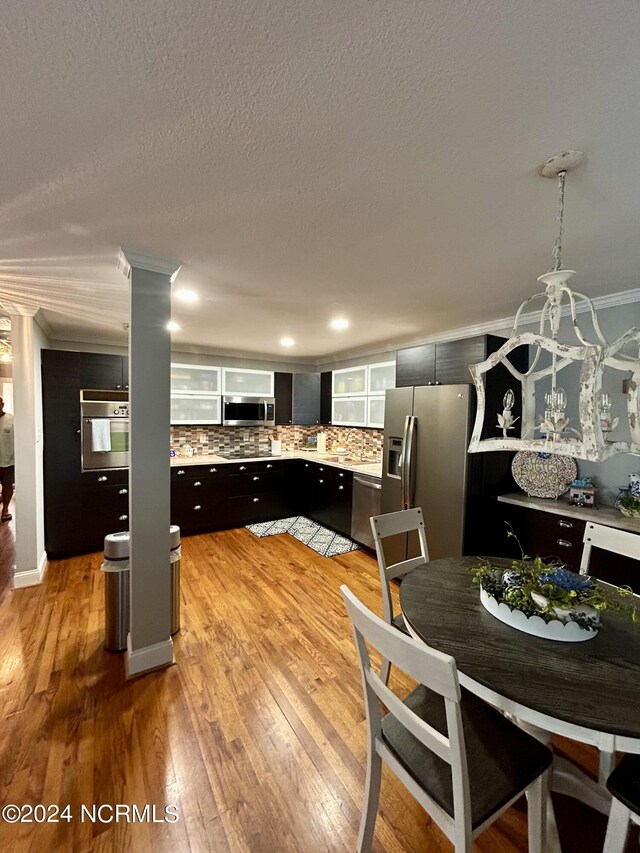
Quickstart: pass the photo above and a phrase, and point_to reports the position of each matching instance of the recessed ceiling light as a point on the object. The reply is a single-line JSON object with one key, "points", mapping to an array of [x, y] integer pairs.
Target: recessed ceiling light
{"points": [[287, 342], [339, 323], [185, 295], [172, 326]]}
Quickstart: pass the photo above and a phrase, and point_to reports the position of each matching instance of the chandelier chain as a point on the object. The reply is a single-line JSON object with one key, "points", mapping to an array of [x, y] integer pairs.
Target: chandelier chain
{"points": [[557, 249]]}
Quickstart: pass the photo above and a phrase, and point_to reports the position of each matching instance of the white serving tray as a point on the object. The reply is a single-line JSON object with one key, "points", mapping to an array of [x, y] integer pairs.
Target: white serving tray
{"points": [[565, 632]]}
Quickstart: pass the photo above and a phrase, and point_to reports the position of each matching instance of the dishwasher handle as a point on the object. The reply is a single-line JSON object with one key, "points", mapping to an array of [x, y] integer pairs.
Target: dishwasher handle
{"points": [[367, 483]]}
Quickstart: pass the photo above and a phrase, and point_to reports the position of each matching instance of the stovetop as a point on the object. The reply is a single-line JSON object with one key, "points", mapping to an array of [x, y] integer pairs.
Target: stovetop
{"points": [[245, 454]]}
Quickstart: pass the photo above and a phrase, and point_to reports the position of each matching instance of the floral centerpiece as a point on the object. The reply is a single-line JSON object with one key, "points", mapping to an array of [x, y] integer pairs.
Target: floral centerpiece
{"points": [[547, 599]]}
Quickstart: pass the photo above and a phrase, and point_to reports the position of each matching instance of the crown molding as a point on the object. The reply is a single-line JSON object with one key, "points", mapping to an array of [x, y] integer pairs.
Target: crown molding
{"points": [[128, 258], [491, 326], [611, 300], [19, 309]]}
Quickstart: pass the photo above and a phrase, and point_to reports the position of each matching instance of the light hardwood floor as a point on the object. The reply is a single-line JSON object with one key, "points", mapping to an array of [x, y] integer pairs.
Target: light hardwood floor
{"points": [[257, 735]]}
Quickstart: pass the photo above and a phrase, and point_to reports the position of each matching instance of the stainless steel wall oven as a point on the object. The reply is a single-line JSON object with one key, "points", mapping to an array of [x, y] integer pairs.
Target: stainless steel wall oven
{"points": [[104, 429]]}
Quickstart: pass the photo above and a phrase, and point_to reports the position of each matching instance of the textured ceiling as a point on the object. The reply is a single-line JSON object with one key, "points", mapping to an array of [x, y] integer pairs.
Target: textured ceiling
{"points": [[304, 159]]}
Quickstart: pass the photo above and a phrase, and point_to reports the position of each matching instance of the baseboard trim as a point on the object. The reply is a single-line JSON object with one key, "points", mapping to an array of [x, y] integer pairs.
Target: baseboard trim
{"points": [[148, 658], [32, 577]]}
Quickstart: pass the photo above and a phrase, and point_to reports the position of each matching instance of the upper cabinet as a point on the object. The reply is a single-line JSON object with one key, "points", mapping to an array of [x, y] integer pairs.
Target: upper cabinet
{"points": [[195, 409], [247, 383], [195, 379], [444, 363], [381, 377], [358, 394], [350, 381], [104, 372]]}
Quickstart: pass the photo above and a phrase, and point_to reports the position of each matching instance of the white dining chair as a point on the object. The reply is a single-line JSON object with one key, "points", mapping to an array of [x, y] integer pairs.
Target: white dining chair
{"points": [[624, 786], [621, 542], [625, 544], [395, 524], [462, 760]]}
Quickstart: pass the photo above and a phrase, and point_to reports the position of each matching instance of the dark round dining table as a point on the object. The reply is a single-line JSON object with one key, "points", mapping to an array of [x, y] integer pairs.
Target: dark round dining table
{"points": [[588, 691]]}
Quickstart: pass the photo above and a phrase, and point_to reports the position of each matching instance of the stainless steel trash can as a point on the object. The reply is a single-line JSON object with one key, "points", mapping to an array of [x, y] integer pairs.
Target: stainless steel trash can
{"points": [[116, 587], [116, 591], [175, 553]]}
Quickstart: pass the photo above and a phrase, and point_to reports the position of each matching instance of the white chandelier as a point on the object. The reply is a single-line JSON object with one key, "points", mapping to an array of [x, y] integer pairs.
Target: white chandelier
{"points": [[553, 429]]}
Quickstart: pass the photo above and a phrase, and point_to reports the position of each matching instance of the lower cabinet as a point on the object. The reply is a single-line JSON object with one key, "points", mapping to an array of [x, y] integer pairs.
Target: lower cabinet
{"points": [[104, 508], [208, 497], [555, 537], [330, 494]]}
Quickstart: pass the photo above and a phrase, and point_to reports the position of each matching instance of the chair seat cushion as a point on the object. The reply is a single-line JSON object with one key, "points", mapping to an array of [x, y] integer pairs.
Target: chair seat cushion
{"points": [[502, 758], [399, 623], [624, 782]]}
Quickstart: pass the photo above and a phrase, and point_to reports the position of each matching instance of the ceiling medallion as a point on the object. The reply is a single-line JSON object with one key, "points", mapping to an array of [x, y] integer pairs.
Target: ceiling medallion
{"points": [[569, 400]]}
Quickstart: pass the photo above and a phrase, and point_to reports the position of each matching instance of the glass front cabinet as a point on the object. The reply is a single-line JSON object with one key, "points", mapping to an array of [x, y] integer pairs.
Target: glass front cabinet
{"points": [[350, 381], [247, 383], [381, 377], [375, 412], [195, 379], [195, 409], [349, 411]]}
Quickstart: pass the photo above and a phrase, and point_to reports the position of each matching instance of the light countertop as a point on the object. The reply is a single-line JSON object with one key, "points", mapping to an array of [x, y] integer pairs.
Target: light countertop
{"points": [[373, 469], [607, 515]]}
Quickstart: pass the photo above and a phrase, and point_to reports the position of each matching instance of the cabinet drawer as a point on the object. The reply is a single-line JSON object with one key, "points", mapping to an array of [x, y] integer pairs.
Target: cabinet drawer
{"points": [[192, 472], [249, 509], [254, 483], [105, 478], [252, 467]]}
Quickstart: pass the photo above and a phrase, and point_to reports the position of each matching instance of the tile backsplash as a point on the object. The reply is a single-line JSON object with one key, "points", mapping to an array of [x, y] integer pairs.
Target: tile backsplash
{"points": [[214, 439]]}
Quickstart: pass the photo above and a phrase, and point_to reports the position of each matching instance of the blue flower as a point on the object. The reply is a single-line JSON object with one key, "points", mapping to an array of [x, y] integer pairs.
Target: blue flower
{"points": [[567, 580]]}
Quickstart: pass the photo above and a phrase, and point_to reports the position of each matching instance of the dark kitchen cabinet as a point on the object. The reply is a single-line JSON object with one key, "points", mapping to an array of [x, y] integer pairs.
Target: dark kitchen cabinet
{"points": [[297, 398], [105, 507], [283, 393], [198, 498], [104, 372], [557, 537], [326, 391], [330, 497], [416, 366], [447, 363], [76, 519]]}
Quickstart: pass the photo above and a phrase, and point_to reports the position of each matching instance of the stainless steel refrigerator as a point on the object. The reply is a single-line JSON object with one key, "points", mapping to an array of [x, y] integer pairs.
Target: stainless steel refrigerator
{"points": [[425, 463]]}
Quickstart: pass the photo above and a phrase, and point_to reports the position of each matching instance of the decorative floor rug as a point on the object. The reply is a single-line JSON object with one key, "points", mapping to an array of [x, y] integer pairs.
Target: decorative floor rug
{"points": [[325, 542]]}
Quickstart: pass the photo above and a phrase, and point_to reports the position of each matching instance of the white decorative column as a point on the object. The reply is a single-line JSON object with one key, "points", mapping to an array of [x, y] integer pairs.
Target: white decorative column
{"points": [[149, 645], [27, 339]]}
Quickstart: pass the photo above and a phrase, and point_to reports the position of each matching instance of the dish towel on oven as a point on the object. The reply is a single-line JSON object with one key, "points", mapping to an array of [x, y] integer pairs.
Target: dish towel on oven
{"points": [[100, 435]]}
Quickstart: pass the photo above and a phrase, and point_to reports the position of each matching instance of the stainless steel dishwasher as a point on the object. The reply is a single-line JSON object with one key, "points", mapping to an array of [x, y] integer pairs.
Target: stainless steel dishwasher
{"points": [[366, 502]]}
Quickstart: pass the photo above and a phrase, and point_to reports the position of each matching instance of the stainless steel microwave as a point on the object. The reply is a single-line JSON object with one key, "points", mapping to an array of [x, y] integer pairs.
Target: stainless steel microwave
{"points": [[248, 411]]}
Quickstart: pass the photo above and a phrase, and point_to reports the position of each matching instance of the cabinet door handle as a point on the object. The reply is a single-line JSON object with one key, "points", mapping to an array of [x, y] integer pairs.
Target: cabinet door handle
{"points": [[197, 483], [341, 474], [340, 488], [180, 472], [306, 464], [123, 517], [197, 506], [321, 481], [77, 432], [269, 466], [126, 387], [118, 387], [322, 469], [563, 523], [102, 479], [564, 543], [256, 500], [243, 467], [255, 478], [213, 470], [123, 491]]}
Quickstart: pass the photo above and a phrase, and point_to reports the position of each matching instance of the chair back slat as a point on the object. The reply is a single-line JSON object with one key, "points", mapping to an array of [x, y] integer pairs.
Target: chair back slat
{"points": [[424, 664], [620, 542], [393, 523], [426, 734]]}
